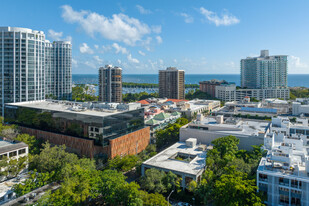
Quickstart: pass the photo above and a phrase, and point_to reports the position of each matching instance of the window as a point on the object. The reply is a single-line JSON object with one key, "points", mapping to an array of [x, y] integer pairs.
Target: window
{"points": [[3, 156], [21, 151], [263, 177], [284, 199], [13, 154]]}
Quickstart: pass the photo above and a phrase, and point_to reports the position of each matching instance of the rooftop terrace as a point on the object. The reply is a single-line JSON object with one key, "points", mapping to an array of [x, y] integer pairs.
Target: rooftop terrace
{"points": [[180, 158], [87, 108]]}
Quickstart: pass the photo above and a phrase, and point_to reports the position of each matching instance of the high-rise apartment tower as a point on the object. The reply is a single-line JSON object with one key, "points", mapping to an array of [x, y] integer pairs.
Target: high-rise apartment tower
{"points": [[58, 69], [22, 65], [264, 72], [110, 84], [172, 83], [31, 67]]}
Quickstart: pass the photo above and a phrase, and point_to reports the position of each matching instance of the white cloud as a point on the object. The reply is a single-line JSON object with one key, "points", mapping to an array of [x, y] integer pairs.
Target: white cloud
{"points": [[119, 27], [96, 46], [142, 10], [74, 62], [156, 29], [85, 49], [159, 39], [225, 19], [295, 62], [119, 61], [54, 35], [146, 43], [131, 59], [141, 53], [90, 64], [57, 36], [187, 17], [106, 48], [119, 49], [98, 59]]}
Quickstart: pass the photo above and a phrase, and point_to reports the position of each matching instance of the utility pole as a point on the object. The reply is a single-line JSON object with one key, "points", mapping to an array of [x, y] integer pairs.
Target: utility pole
{"points": [[168, 198]]}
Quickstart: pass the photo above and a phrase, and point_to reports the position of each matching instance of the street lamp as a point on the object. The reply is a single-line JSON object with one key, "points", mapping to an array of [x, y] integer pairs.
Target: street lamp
{"points": [[168, 198]]}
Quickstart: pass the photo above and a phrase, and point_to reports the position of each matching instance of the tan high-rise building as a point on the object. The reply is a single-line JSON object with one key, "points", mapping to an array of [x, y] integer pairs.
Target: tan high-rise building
{"points": [[172, 83], [110, 84]]}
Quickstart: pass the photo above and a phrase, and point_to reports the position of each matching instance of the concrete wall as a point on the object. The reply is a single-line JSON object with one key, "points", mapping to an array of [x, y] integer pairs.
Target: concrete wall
{"points": [[206, 137]]}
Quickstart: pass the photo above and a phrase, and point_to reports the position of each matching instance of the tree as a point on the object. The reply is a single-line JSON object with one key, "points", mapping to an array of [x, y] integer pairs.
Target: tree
{"points": [[153, 181], [31, 141], [171, 181], [52, 159], [123, 164], [170, 134], [115, 190], [150, 199], [235, 189], [34, 181], [11, 167], [226, 146]]}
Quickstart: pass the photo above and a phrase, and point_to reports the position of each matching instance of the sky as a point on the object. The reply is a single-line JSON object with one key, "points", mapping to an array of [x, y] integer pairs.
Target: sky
{"points": [[142, 37]]}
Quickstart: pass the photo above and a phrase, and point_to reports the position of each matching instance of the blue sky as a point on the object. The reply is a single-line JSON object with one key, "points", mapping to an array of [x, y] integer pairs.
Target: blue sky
{"points": [[201, 37]]}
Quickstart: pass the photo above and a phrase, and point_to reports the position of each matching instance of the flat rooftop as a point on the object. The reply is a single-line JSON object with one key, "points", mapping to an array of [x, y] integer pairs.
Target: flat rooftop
{"points": [[240, 126], [6, 186], [86, 108], [165, 160], [7, 146]]}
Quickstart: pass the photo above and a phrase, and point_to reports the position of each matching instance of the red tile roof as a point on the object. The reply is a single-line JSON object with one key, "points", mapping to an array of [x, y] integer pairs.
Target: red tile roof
{"points": [[143, 102], [176, 100]]}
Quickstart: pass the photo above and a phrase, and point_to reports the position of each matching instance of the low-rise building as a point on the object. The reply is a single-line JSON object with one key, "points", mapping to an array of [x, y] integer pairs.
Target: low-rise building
{"points": [[191, 108], [282, 106], [86, 128], [229, 92], [205, 130], [298, 108], [11, 150], [161, 120], [6, 188], [185, 159]]}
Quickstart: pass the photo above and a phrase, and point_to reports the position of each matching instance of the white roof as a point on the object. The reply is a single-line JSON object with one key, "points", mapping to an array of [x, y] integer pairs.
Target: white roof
{"points": [[163, 160]]}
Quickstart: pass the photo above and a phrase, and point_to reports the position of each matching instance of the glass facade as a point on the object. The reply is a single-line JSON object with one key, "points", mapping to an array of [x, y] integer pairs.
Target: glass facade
{"points": [[100, 128]]}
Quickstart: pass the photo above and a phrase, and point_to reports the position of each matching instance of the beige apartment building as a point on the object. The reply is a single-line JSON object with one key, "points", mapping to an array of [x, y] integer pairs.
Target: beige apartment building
{"points": [[110, 84], [172, 83]]}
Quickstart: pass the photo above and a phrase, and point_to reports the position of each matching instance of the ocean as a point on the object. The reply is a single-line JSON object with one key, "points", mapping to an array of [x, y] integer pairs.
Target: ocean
{"points": [[294, 80]]}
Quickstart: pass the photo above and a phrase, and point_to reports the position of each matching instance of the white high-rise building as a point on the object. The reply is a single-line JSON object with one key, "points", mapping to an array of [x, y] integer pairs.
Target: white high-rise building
{"points": [[264, 72], [31, 67], [59, 69], [22, 65]]}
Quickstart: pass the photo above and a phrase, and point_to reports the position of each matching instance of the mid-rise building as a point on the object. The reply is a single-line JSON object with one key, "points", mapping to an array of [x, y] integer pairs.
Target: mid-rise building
{"points": [[110, 84], [172, 83], [86, 128], [210, 86], [264, 72], [283, 174], [32, 67]]}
